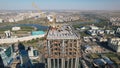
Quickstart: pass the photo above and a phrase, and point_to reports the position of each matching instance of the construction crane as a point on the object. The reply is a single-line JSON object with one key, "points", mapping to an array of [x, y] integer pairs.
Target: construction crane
{"points": [[36, 7], [51, 18]]}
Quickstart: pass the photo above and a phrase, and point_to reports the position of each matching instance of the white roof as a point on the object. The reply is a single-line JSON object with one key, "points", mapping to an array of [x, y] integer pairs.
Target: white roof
{"points": [[65, 32]]}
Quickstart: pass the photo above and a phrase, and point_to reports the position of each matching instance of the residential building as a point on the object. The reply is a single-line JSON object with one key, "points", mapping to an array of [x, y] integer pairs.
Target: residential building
{"points": [[101, 39], [114, 43]]}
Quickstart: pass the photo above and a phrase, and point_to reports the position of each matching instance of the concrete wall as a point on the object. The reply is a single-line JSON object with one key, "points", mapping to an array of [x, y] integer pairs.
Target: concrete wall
{"points": [[13, 40]]}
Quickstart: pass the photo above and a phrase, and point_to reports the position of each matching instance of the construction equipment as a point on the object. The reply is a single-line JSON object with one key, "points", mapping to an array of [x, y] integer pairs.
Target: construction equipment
{"points": [[36, 7], [51, 18]]}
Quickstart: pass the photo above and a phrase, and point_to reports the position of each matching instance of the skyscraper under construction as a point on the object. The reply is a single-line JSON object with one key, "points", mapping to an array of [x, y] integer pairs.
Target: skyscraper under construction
{"points": [[62, 48]]}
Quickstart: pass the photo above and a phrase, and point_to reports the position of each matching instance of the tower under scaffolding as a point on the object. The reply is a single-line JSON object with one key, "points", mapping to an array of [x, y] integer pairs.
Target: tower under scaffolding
{"points": [[62, 48]]}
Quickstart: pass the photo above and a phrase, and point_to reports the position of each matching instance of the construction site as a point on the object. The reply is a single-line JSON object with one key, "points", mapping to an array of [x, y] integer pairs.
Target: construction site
{"points": [[62, 48]]}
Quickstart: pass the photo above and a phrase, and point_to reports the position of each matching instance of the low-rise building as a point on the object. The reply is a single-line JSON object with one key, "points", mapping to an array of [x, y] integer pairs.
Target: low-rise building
{"points": [[1, 20], [114, 43], [109, 31], [101, 39], [33, 33], [87, 48], [83, 28], [33, 54], [16, 28], [117, 32], [86, 39], [11, 20], [92, 32], [94, 27], [99, 63]]}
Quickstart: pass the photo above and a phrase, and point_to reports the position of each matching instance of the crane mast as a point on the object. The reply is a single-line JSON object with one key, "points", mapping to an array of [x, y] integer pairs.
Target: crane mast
{"points": [[51, 18]]}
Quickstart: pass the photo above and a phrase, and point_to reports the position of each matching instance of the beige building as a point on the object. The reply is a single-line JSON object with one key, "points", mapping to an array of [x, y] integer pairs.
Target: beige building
{"points": [[114, 43]]}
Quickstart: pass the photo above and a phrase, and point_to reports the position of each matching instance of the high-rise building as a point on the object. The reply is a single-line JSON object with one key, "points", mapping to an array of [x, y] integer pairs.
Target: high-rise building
{"points": [[62, 49], [24, 57], [7, 56]]}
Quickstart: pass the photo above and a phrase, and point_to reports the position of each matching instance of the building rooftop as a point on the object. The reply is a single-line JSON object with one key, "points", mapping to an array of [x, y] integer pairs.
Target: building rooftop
{"points": [[64, 32]]}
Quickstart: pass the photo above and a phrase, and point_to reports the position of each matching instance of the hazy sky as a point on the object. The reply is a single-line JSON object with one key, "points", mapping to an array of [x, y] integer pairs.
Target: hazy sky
{"points": [[61, 4]]}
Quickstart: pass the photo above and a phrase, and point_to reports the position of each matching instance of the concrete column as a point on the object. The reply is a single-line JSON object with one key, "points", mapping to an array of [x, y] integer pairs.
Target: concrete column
{"points": [[68, 63], [49, 62], [20, 60], [63, 63], [58, 63], [78, 48], [63, 48], [54, 63], [46, 65], [76, 62], [77, 55], [72, 63], [48, 46], [63, 53]]}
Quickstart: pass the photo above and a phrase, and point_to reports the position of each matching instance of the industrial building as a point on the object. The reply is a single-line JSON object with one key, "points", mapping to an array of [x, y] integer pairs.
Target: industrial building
{"points": [[33, 33], [62, 48]]}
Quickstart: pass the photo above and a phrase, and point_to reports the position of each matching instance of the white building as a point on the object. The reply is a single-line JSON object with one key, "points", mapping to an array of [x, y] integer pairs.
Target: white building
{"points": [[83, 28], [94, 28], [8, 33], [114, 43], [118, 30], [109, 31], [92, 32], [1, 20], [16, 28], [33, 54]]}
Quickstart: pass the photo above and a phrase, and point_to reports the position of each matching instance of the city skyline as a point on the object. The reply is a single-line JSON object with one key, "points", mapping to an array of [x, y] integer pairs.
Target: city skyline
{"points": [[60, 4]]}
